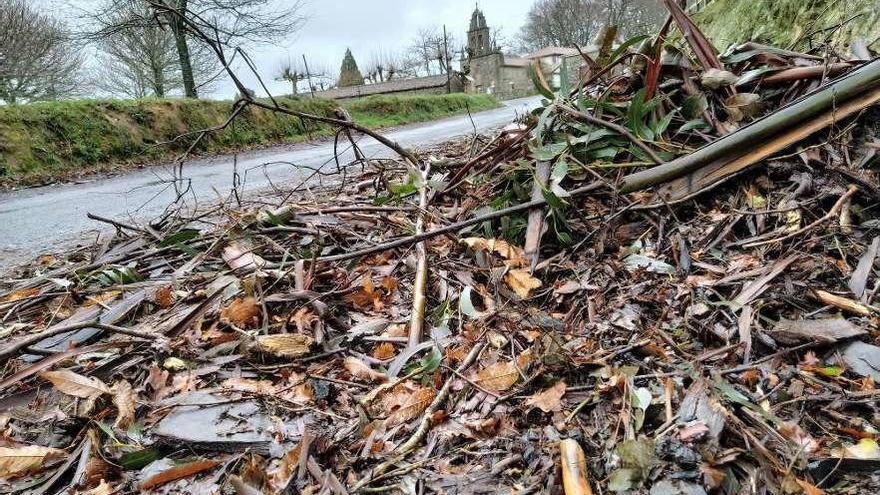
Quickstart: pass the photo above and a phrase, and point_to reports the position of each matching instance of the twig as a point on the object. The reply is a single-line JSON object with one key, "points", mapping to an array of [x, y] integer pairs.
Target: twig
{"points": [[420, 299], [115, 223], [424, 424], [454, 227], [12, 349], [828, 216]]}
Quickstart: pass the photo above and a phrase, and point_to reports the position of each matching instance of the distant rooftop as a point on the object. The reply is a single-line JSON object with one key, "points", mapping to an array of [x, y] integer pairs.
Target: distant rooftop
{"points": [[392, 86], [551, 51]]}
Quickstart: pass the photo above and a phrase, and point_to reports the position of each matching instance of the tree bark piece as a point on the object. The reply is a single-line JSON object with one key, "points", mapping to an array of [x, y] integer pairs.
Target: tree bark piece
{"points": [[535, 229]]}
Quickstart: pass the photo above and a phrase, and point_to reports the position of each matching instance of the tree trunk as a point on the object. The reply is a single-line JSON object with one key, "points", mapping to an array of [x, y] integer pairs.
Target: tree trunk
{"points": [[179, 30], [158, 79]]}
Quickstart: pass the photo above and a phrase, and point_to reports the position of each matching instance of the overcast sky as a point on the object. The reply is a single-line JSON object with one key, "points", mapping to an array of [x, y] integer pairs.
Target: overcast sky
{"points": [[365, 26]]}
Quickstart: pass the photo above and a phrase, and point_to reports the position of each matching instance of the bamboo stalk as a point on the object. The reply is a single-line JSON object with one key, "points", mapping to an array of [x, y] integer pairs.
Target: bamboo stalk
{"points": [[420, 299], [714, 172], [797, 112]]}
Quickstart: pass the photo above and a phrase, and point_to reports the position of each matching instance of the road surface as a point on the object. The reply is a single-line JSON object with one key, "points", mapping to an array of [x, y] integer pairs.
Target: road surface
{"points": [[46, 219]]}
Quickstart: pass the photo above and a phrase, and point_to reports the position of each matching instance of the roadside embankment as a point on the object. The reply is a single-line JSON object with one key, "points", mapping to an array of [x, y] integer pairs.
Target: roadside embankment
{"points": [[43, 142]]}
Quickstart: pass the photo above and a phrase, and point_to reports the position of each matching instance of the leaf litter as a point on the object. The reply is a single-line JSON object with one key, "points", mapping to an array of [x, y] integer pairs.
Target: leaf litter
{"points": [[665, 313]]}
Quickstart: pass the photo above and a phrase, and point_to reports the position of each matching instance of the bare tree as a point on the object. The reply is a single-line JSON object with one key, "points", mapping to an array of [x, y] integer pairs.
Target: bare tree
{"points": [[138, 57], [385, 65], [292, 72], [323, 77], [239, 22], [634, 17], [575, 22], [38, 60], [432, 50], [236, 21]]}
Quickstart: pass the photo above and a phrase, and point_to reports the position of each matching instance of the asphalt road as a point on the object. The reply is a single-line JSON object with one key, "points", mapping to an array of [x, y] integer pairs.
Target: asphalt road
{"points": [[46, 219]]}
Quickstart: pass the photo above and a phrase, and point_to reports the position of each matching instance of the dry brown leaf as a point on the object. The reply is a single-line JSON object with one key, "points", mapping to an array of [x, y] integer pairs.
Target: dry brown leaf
{"points": [[304, 319], [103, 488], [287, 466], [158, 381], [177, 473], [286, 345], [809, 488], [102, 299], [498, 377], [70, 383], [367, 297], [164, 297], [46, 260], [240, 258], [500, 246], [522, 282], [549, 400], [124, 400], [390, 284], [242, 312], [501, 376], [262, 387], [396, 330], [19, 461], [302, 391], [413, 406], [384, 351], [361, 370]]}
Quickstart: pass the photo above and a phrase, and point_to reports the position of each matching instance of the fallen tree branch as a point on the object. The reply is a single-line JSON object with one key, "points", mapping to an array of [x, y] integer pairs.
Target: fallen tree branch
{"points": [[454, 227], [535, 228], [715, 172], [804, 109]]}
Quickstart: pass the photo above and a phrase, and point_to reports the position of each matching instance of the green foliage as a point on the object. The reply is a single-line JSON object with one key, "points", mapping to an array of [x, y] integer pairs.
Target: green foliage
{"points": [[786, 22], [384, 111]]}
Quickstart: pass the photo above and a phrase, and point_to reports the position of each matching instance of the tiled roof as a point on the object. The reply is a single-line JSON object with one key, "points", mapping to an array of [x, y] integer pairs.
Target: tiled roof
{"points": [[551, 51], [394, 86]]}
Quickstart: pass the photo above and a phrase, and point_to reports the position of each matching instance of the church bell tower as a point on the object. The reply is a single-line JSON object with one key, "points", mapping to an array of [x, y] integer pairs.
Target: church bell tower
{"points": [[479, 38]]}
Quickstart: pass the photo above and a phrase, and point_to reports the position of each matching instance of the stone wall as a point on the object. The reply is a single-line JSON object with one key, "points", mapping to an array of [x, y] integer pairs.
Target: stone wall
{"points": [[431, 85], [489, 75]]}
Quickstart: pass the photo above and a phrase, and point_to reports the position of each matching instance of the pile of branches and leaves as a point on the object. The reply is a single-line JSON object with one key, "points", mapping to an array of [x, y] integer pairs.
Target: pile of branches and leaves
{"points": [[662, 282]]}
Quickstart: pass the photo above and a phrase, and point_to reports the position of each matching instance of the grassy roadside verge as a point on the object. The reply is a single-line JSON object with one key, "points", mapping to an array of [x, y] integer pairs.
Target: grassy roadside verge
{"points": [[45, 142]]}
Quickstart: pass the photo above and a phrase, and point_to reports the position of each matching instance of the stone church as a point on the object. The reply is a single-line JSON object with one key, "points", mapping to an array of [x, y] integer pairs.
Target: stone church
{"points": [[488, 70]]}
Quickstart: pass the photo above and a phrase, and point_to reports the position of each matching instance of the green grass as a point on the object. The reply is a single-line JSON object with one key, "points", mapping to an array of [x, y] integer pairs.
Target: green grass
{"points": [[386, 111], [56, 140], [786, 23]]}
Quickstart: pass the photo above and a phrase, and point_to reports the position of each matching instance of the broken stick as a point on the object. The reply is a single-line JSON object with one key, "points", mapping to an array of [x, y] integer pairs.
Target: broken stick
{"points": [[535, 229], [574, 468]]}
